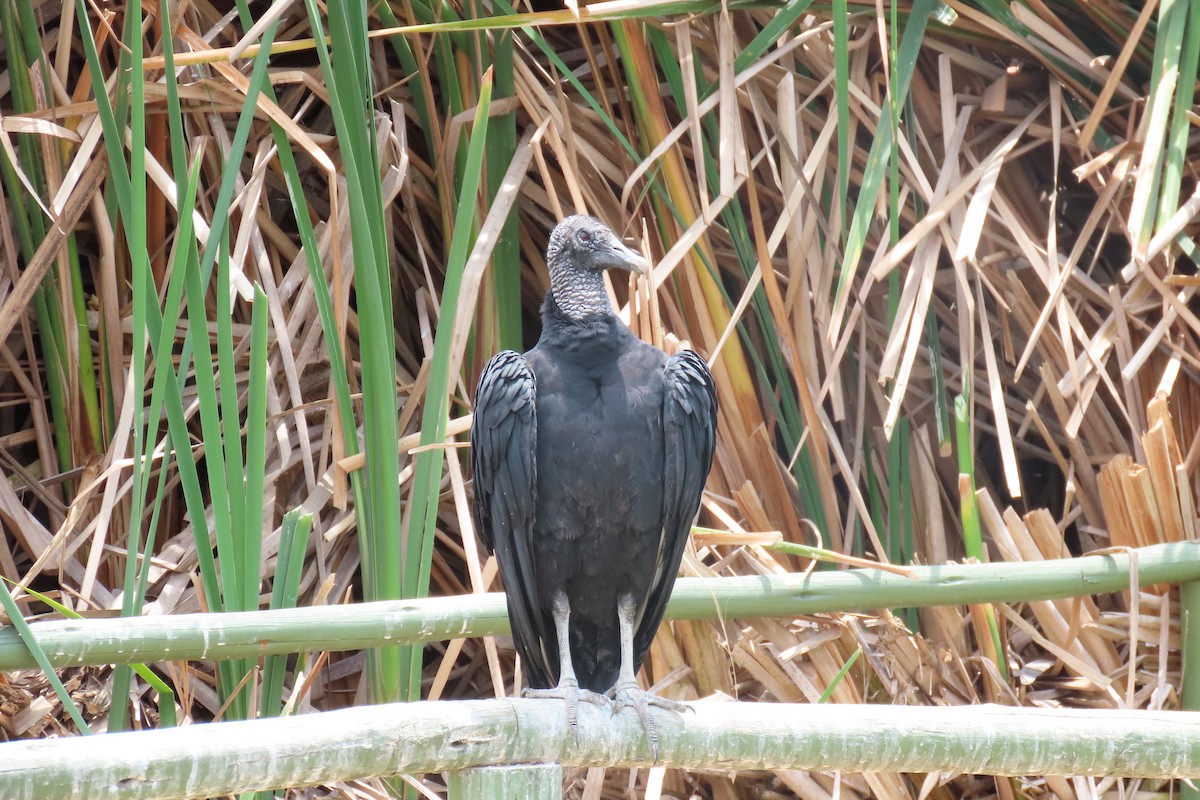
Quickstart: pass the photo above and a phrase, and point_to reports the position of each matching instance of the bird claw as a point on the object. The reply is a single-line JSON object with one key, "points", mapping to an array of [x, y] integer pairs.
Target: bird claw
{"points": [[571, 694], [632, 696]]}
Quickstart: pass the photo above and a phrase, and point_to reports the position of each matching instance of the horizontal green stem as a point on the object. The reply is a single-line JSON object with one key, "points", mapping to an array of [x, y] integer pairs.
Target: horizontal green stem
{"points": [[227, 757], [364, 625], [530, 781]]}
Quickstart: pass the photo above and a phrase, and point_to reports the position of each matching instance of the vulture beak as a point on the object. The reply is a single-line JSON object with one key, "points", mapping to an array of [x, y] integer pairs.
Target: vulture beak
{"points": [[627, 258]]}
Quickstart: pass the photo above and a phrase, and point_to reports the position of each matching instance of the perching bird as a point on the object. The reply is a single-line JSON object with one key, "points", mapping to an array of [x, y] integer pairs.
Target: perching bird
{"points": [[590, 453]]}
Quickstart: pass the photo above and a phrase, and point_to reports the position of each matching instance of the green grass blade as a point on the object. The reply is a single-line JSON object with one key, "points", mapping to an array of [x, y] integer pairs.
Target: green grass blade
{"points": [[208, 399], [427, 471], [39, 655], [840, 676], [424, 101], [166, 697], [289, 568], [54, 334], [208, 402], [881, 149], [1164, 82], [380, 535], [779, 25], [841, 86], [140, 276], [23, 52], [1175, 158], [972, 532], [113, 138], [253, 500], [941, 409], [505, 274], [162, 336], [237, 471], [770, 367], [312, 257], [168, 385]]}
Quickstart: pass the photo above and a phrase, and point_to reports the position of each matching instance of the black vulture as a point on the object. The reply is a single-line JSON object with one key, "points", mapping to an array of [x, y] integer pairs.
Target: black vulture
{"points": [[589, 453]]}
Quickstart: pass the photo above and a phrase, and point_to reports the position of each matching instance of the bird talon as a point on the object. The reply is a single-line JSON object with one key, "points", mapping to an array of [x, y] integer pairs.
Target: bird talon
{"points": [[634, 697], [641, 701], [569, 692]]}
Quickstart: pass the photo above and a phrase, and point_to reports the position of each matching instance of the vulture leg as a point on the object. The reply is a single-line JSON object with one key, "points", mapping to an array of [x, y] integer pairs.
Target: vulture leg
{"points": [[568, 687], [626, 693]]}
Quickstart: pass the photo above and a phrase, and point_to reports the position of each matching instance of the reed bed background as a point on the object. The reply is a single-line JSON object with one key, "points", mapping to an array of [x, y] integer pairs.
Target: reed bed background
{"points": [[940, 256]]}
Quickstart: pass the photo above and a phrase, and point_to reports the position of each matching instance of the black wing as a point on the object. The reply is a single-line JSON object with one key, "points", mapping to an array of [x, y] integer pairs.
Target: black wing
{"points": [[504, 463], [690, 434]]}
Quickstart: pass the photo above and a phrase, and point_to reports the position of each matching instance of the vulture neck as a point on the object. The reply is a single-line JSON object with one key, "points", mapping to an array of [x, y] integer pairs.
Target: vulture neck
{"points": [[579, 294], [578, 323]]}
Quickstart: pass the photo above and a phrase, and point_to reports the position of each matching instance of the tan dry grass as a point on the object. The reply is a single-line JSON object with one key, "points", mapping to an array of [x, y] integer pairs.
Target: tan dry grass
{"points": [[1077, 342]]}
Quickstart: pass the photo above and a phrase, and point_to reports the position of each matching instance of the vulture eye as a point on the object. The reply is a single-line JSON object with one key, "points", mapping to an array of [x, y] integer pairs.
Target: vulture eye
{"points": [[584, 236]]}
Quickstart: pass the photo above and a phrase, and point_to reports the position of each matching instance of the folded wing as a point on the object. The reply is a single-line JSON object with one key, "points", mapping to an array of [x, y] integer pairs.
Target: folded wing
{"points": [[690, 433], [504, 461]]}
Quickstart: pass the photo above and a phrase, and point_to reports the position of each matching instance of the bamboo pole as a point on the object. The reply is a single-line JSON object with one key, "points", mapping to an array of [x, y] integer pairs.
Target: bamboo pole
{"points": [[227, 757], [527, 781], [362, 625]]}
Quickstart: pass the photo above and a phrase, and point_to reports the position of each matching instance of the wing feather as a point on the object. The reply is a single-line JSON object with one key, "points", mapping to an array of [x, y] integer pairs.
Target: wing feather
{"points": [[690, 433], [504, 464]]}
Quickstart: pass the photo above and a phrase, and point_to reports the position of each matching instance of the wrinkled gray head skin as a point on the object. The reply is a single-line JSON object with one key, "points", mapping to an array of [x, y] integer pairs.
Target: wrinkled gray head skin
{"points": [[586, 243], [580, 249]]}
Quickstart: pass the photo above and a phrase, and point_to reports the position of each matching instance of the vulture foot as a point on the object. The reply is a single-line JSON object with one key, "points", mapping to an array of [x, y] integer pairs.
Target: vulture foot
{"points": [[569, 691], [630, 695]]}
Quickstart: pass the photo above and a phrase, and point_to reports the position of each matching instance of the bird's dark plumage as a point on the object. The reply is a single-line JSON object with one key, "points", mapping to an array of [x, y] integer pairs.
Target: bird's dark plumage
{"points": [[590, 453]]}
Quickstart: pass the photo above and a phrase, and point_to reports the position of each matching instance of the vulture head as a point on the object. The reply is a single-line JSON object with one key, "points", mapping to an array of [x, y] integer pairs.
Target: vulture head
{"points": [[585, 243]]}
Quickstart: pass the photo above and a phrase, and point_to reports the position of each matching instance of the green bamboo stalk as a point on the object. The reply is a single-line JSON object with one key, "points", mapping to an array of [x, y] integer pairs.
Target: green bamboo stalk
{"points": [[530, 781], [336, 628], [223, 758]]}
